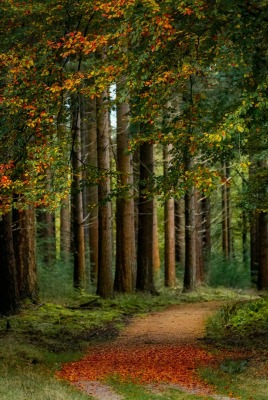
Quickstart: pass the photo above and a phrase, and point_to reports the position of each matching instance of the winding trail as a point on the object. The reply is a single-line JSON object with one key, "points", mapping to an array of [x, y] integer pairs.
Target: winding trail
{"points": [[166, 341]]}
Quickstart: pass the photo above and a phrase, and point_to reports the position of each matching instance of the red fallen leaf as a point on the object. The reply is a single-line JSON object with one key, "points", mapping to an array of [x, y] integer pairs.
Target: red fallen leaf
{"points": [[146, 364]]}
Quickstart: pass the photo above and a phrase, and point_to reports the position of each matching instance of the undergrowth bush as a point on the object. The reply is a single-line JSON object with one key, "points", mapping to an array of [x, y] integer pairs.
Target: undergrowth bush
{"points": [[245, 321]]}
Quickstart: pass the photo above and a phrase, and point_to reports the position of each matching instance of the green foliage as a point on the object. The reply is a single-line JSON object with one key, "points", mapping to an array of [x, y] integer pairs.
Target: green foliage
{"points": [[244, 322], [230, 274]]}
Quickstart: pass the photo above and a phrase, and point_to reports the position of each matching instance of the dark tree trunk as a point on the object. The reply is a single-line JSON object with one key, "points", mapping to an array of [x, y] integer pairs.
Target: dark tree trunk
{"points": [[169, 228], [145, 272], [9, 294], [262, 238], [78, 237], [105, 278], [65, 230], [125, 219], [190, 275], [180, 231], [226, 216], [25, 252], [92, 190], [254, 248]]}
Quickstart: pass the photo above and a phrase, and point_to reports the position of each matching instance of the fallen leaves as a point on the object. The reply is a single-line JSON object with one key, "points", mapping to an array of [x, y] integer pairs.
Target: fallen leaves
{"points": [[143, 364]]}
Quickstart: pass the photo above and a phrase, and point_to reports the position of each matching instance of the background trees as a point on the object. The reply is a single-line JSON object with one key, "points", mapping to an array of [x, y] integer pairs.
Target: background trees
{"points": [[205, 60]]}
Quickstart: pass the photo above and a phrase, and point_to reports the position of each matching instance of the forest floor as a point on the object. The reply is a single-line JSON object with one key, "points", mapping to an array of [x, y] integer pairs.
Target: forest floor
{"points": [[160, 350]]}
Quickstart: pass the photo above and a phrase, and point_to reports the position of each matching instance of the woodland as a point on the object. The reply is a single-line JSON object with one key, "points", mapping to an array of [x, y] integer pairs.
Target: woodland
{"points": [[133, 146], [133, 177]]}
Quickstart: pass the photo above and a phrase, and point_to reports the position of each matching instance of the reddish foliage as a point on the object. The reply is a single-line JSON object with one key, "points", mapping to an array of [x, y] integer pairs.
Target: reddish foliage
{"points": [[144, 364]]}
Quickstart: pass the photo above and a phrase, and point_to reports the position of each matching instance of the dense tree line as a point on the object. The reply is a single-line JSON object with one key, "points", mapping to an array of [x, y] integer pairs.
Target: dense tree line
{"points": [[191, 107]]}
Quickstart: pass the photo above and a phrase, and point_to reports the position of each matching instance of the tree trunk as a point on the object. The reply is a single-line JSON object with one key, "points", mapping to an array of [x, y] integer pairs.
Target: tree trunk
{"points": [[92, 190], [180, 231], [65, 230], [263, 251], [169, 227], [125, 219], [226, 216], [25, 252], [145, 273], [9, 294], [78, 238], [190, 275], [105, 279], [156, 256]]}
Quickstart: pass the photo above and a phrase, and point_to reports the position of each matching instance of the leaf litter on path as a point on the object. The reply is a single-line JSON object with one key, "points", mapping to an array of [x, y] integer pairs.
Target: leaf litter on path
{"points": [[161, 348]]}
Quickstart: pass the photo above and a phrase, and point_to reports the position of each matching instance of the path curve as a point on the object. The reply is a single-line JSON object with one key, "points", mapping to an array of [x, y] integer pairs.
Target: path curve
{"points": [[176, 327], [184, 323]]}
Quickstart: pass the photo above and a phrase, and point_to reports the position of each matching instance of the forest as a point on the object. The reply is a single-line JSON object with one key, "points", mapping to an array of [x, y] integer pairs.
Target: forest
{"points": [[133, 146]]}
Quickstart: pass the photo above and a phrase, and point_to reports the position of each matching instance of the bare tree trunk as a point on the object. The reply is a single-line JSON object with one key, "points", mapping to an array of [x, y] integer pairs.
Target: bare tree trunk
{"points": [[65, 230], [78, 238], [90, 158], [145, 272], [105, 279], [263, 250], [226, 216], [169, 221], [190, 275], [200, 254], [9, 294], [25, 252], [125, 219], [156, 256], [180, 231]]}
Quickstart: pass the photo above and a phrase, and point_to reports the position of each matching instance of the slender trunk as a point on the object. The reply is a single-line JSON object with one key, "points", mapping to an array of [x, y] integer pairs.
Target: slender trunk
{"points": [[145, 273], [180, 231], [226, 216], [78, 238], [169, 227], [9, 294], [156, 255], [105, 279], [200, 254], [92, 190], [25, 252], [263, 250], [190, 276], [65, 230], [254, 247], [125, 220]]}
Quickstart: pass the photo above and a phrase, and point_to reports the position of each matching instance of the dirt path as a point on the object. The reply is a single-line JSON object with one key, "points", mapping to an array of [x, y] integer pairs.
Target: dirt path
{"points": [[180, 324], [165, 343]]}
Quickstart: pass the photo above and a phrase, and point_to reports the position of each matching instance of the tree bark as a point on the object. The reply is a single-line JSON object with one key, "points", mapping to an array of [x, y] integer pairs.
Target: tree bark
{"points": [[190, 275], [105, 278], [125, 218], [226, 216], [263, 251], [145, 272], [65, 230], [9, 294], [169, 227], [25, 252], [78, 237]]}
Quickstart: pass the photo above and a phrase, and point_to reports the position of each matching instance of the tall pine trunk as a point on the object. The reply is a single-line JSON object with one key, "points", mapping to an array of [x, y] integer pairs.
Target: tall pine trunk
{"points": [[145, 270], [105, 278], [78, 237], [9, 294], [125, 218], [226, 215], [191, 272], [25, 252], [169, 227]]}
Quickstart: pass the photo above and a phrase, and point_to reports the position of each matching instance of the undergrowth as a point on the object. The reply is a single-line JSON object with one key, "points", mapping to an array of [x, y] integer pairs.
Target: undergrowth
{"points": [[34, 343]]}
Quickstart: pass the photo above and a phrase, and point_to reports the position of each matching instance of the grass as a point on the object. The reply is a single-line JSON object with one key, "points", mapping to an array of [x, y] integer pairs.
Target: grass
{"points": [[43, 336], [240, 328]]}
